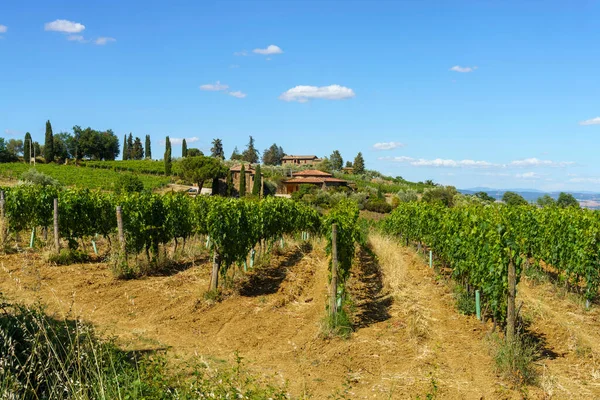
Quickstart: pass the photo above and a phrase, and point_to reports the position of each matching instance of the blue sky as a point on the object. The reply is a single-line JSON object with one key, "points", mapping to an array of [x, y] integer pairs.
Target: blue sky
{"points": [[504, 94]]}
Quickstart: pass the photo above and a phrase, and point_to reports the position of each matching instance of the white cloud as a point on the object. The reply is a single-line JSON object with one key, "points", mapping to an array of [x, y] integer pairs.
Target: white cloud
{"points": [[237, 94], [271, 49], [528, 175], [101, 41], [3, 28], [62, 25], [439, 162], [593, 121], [585, 180], [535, 162], [12, 132], [76, 38], [458, 68], [179, 141], [242, 53], [387, 145], [214, 87], [302, 94]]}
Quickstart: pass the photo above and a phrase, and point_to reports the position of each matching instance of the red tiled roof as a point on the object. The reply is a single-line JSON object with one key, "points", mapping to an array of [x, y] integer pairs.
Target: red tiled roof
{"points": [[291, 157], [238, 168], [313, 180], [311, 172]]}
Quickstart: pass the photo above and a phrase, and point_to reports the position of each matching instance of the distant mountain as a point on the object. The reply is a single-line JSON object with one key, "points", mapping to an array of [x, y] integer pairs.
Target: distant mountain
{"points": [[586, 198]]}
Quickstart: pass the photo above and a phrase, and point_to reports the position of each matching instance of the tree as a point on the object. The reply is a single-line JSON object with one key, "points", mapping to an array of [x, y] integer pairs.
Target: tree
{"points": [[194, 152], [257, 182], [440, 194], [37, 149], [148, 148], [49, 143], [229, 183], [167, 158], [201, 169], [5, 155], [359, 164], [513, 199], [250, 154], [130, 147], [128, 184], [485, 197], [566, 200], [325, 165], [61, 152], [336, 160], [15, 146], [273, 155], [137, 151], [27, 148], [242, 188], [546, 201], [95, 145], [348, 164], [184, 148], [235, 155], [217, 149], [125, 149]]}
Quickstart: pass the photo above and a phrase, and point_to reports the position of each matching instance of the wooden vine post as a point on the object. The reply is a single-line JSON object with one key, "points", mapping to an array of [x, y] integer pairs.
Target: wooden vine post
{"points": [[334, 272], [214, 279], [56, 237], [510, 313], [120, 230], [2, 203]]}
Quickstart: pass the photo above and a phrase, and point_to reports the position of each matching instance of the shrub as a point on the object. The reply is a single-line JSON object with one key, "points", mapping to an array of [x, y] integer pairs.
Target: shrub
{"points": [[378, 205], [67, 257], [128, 184], [514, 360], [38, 178]]}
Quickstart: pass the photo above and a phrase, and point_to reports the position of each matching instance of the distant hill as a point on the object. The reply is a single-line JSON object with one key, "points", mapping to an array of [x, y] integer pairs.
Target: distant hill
{"points": [[585, 198]]}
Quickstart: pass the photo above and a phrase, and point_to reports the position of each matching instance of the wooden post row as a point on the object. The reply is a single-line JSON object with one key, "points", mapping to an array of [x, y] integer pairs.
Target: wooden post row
{"points": [[334, 271], [120, 228], [56, 233], [510, 314]]}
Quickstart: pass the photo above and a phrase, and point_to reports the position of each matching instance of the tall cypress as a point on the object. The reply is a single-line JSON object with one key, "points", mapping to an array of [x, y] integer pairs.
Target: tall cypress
{"points": [[183, 148], [229, 183], [148, 148], [130, 155], [256, 185], [27, 149], [49, 143], [167, 159], [125, 149], [243, 181]]}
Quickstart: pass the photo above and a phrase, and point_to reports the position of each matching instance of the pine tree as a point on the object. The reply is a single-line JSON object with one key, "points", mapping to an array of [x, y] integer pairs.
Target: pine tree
{"points": [[250, 154], [217, 149], [130, 147], [243, 181], [27, 149], [336, 160], [359, 164], [167, 159], [49, 143], [184, 148], [148, 148], [236, 154], [138, 150], [229, 183], [125, 149], [257, 182]]}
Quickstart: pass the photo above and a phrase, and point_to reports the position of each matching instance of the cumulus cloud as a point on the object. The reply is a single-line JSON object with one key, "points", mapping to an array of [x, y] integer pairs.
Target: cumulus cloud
{"points": [[3, 28], [214, 87], [528, 175], [179, 141], [467, 163], [535, 162], [76, 38], [302, 94], [11, 132], [458, 68], [593, 121], [271, 49], [585, 180], [387, 145], [237, 94], [65, 26], [101, 41]]}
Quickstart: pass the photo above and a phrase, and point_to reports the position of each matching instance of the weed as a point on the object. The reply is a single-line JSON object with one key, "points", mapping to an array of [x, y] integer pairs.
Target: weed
{"points": [[67, 257], [515, 360], [465, 302], [338, 325]]}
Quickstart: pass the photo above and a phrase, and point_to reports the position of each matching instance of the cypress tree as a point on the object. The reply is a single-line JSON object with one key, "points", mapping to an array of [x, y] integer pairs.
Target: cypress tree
{"points": [[359, 164], [243, 181], [229, 183], [27, 149], [215, 186], [138, 150], [130, 155], [49, 143], [125, 150], [183, 148], [148, 148], [256, 185], [168, 162]]}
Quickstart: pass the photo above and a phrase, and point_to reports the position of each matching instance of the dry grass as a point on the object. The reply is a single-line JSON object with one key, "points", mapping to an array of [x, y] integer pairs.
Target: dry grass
{"points": [[391, 261]]}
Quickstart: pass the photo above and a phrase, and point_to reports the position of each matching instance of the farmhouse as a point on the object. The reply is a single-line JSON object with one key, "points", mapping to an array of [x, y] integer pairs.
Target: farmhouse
{"points": [[300, 160], [236, 173], [312, 177]]}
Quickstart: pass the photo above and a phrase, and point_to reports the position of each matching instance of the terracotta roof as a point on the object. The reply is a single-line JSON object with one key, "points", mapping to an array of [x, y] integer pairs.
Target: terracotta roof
{"points": [[313, 180], [238, 168], [311, 172], [291, 157]]}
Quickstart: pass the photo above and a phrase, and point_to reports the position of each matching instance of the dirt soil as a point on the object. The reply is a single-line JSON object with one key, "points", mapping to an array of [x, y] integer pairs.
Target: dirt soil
{"points": [[409, 340]]}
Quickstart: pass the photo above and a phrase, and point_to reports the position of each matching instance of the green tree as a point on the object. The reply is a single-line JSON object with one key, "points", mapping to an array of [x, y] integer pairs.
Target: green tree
{"points": [[546, 201], [242, 188], [49, 143], [5, 155], [184, 148], [61, 152], [201, 169], [325, 165], [273, 155], [566, 200], [217, 149], [127, 183], [130, 147], [15, 146], [194, 152], [167, 157], [138, 150], [229, 183], [148, 148], [485, 196], [257, 182], [235, 156], [513, 199], [359, 164], [125, 149], [250, 154], [27, 148], [440, 194], [37, 149], [336, 160], [348, 164]]}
